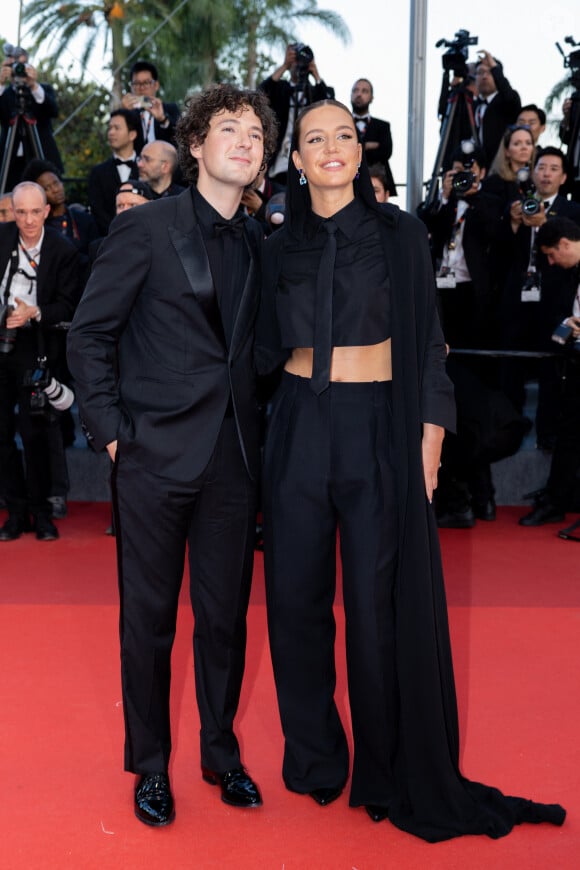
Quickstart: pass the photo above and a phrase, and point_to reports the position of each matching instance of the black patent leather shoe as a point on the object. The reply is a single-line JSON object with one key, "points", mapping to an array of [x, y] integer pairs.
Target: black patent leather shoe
{"points": [[14, 527], [485, 510], [153, 800], [544, 512], [238, 789], [45, 529], [377, 814], [325, 796]]}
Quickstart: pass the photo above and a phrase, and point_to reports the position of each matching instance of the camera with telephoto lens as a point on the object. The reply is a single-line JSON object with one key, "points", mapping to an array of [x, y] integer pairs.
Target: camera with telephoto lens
{"points": [[463, 181], [527, 191], [7, 336], [455, 58], [46, 391], [572, 61]]}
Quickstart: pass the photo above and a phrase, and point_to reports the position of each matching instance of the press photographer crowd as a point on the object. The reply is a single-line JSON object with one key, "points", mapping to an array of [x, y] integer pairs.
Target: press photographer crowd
{"points": [[502, 209]]}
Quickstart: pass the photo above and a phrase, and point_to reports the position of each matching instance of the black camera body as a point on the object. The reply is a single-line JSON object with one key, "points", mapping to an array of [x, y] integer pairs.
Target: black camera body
{"points": [[7, 336], [527, 190], [304, 57], [463, 181], [37, 380], [455, 58]]}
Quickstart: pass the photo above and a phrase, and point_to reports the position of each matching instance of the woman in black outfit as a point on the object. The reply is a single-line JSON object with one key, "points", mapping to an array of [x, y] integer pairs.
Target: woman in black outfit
{"points": [[354, 444]]}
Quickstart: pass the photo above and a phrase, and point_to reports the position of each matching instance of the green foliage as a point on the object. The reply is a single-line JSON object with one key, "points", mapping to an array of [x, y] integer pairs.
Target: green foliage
{"points": [[80, 129]]}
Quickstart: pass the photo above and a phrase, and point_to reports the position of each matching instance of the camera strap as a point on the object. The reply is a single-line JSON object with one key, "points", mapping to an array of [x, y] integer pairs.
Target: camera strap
{"points": [[14, 261]]}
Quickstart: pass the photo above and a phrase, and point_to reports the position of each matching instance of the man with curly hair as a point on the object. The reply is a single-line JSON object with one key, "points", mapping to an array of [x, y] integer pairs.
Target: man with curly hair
{"points": [[161, 352]]}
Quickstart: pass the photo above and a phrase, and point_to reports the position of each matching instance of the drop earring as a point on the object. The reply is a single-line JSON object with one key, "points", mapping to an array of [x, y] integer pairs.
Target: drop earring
{"points": [[357, 171], [303, 179]]}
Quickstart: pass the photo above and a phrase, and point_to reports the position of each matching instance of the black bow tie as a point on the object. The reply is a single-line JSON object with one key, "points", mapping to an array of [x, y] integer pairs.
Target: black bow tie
{"points": [[235, 227], [119, 162]]}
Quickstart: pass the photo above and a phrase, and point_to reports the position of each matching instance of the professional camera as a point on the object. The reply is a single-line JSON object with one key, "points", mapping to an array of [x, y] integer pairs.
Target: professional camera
{"points": [[455, 58], [572, 61], [563, 335], [463, 180], [7, 336], [46, 390], [19, 74], [304, 57], [527, 189]]}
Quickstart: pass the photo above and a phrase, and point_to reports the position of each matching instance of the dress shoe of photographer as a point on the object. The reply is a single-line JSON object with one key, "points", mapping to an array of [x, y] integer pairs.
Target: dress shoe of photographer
{"points": [[238, 789], [325, 796], [376, 813], [485, 510], [464, 519], [153, 800], [14, 527], [45, 528], [571, 533], [59, 507], [543, 512]]}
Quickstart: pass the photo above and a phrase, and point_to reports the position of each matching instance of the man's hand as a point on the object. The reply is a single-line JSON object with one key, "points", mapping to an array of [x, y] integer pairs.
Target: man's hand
{"points": [[431, 445], [130, 101], [157, 110], [535, 220], [485, 57], [21, 315], [447, 185], [251, 200], [6, 72], [574, 323]]}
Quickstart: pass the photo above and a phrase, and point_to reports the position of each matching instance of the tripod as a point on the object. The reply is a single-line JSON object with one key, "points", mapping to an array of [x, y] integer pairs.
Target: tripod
{"points": [[22, 128], [461, 97]]}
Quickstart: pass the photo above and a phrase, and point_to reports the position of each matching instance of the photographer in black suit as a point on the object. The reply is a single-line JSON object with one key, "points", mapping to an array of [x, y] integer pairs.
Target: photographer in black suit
{"points": [[39, 280], [373, 134], [157, 119], [38, 101], [161, 351], [497, 105], [287, 97]]}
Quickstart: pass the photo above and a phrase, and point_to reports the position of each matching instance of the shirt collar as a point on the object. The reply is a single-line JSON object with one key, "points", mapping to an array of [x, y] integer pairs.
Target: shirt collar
{"points": [[207, 215], [348, 219], [33, 252]]}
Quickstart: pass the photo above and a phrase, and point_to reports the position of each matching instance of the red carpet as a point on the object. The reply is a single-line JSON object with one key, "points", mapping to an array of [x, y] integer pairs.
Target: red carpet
{"points": [[514, 597]]}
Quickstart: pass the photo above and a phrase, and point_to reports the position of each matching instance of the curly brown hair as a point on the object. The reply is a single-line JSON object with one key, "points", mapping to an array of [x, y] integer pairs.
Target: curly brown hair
{"points": [[193, 126]]}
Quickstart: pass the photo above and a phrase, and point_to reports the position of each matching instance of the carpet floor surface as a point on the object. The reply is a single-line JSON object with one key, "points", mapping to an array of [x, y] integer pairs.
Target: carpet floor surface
{"points": [[514, 607]]}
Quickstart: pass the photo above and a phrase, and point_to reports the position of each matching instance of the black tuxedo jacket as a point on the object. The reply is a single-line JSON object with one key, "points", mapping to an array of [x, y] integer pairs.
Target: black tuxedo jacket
{"points": [[165, 134], [500, 113], [150, 303], [104, 182], [379, 131], [58, 277], [43, 112]]}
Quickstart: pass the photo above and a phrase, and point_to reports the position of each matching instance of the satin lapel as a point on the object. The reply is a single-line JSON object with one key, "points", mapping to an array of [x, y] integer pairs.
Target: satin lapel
{"points": [[192, 254], [249, 299]]}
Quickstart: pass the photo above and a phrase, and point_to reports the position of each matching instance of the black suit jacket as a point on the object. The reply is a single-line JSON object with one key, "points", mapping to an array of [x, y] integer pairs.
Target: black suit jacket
{"points": [[500, 113], [165, 134], [58, 277], [558, 285], [43, 112], [379, 131], [104, 182], [151, 298]]}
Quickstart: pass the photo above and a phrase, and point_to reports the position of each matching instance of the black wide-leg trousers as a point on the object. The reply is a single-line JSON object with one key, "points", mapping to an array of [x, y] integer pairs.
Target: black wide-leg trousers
{"points": [[155, 519], [328, 467]]}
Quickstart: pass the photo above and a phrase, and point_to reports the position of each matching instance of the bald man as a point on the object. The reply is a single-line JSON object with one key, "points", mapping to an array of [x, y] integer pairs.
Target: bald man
{"points": [[157, 165]]}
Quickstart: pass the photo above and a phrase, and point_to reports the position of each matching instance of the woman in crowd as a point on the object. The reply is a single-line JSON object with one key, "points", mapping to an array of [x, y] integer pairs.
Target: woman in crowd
{"points": [[516, 151], [353, 446]]}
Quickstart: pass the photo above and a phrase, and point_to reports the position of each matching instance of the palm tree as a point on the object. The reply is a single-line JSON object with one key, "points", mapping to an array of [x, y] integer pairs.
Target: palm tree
{"points": [[106, 24], [263, 24]]}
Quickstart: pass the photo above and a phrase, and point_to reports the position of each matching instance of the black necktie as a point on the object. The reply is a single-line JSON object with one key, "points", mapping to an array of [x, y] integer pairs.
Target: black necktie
{"points": [[235, 227], [323, 313], [119, 162]]}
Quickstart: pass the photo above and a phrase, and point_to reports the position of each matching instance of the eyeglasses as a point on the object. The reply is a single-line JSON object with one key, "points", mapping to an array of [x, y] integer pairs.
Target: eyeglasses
{"points": [[142, 83]]}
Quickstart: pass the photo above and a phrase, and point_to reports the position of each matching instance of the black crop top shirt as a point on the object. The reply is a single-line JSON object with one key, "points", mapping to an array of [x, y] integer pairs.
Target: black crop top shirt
{"points": [[361, 290]]}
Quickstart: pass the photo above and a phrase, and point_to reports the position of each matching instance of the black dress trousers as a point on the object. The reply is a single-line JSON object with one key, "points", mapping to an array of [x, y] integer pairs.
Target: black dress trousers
{"points": [[328, 467], [156, 518]]}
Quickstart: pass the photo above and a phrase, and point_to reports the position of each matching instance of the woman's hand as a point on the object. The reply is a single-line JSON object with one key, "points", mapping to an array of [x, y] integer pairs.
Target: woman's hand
{"points": [[431, 451]]}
